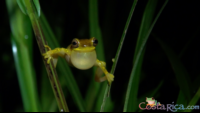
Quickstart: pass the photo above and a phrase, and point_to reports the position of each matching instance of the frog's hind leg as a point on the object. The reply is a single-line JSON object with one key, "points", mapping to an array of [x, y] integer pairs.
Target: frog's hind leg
{"points": [[55, 60], [108, 76], [98, 74]]}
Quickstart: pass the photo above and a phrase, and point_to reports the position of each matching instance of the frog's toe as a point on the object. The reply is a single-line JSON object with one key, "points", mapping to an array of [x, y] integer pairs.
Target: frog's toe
{"points": [[49, 59], [47, 56], [46, 46], [110, 78]]}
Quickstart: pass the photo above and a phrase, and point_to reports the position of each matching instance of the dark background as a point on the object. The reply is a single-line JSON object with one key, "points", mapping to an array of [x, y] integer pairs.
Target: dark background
{"points": [[177, 25]]}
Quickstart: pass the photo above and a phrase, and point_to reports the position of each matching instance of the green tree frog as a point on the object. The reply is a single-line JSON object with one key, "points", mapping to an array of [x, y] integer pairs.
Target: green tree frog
{"points": [[81, 54]]}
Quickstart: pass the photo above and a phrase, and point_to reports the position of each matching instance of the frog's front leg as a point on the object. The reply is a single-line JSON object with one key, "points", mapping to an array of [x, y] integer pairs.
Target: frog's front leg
{"points": [[102, 68], [54, 54]]}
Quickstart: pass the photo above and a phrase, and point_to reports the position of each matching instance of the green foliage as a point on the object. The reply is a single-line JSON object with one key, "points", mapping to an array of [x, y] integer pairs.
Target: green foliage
{"points": [[21, 40], [145, 39], [22, 6]]}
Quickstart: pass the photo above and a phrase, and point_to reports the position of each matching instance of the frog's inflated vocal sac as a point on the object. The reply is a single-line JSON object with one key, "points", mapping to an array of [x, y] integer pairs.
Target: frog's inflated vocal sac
{"points": [[81, 54]]}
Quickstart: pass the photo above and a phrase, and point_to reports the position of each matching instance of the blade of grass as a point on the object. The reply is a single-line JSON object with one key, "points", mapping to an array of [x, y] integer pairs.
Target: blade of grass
{"points": [[46, 101], [145, 25], [36, 3], [21, 39], [95, 31], [193, 101], [134, 77], [106, 94], [181, 98], [50, 69], [123, 36], [62, 66], [37, 7], [22, 6], [180, 71]]}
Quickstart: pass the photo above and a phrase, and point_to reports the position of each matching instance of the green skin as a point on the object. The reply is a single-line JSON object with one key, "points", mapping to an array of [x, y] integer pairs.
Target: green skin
{"points": [[152, 101]]}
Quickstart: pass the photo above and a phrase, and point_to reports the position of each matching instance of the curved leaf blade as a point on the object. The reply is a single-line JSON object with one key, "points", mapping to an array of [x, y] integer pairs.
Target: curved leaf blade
{"points": [[131, 101], [37, 7], [22, 6]]}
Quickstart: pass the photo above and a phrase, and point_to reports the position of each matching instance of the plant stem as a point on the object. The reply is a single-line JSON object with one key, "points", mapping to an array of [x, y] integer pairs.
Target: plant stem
{"points": [[52, 74], [107, 91]]}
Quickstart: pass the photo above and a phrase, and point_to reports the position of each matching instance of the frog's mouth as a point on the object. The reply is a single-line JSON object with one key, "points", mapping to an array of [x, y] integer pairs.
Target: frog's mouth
{"points": [[84, 49]]}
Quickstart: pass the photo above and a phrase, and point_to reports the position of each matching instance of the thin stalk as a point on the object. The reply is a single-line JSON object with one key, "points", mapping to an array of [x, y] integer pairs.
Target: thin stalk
{"points": [[52, 74], [21, 41], [136, 63], [107, 91]]}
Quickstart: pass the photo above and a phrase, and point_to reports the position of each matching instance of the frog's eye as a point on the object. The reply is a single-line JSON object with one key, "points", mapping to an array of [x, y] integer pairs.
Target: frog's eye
{"points": [[74, 43], [95, 42]]}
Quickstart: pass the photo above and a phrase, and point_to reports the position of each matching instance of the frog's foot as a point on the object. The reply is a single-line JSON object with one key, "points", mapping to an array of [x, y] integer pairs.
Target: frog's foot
{"points": [[113, 60], [110, 78], [150, 105], [47, 56]]}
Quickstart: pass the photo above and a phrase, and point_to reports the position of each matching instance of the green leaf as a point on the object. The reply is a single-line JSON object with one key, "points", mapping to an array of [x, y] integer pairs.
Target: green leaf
{"points": [[37, 7], [106, 94], [182, 76], [93, 98], [48, 101], [181, 100], [95, 30], [22, 6], [145, 30], [52, 74], [194, 101], [21, 41]]}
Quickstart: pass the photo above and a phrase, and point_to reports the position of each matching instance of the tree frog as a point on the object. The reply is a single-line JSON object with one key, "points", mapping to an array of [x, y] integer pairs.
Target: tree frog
{"points": [[81, 54], [152, 102]]}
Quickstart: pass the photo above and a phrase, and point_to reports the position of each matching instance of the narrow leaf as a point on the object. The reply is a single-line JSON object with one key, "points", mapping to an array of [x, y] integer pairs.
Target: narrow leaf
{"points": [[106, 95], [22, 6], [180, 71], [37, 7], [21, 41], [131, 104], [193, 102], [52, 74]]}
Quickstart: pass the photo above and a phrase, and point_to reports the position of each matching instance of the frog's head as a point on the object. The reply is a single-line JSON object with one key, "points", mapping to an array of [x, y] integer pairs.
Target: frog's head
{"points": [[150, 100], [83, 54]]}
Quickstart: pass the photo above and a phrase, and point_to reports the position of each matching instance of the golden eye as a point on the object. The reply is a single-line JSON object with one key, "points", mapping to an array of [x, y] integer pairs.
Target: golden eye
{"points": [[95, 42], [75, 43]]}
